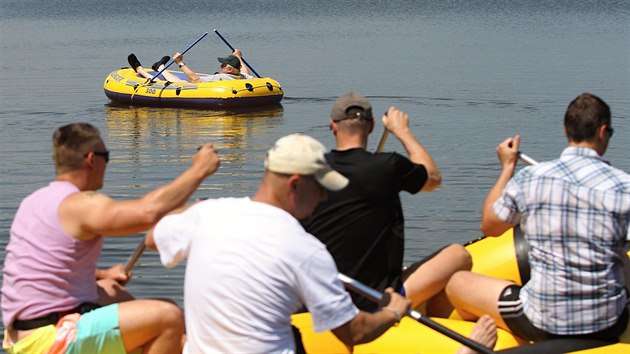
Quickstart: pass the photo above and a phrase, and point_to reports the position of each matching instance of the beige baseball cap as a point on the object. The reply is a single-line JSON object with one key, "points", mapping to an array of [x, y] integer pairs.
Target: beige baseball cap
{"points": [[300, 154]]}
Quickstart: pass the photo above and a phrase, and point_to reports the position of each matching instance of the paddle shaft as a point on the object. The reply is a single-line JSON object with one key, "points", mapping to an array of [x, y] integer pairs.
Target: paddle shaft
{"points": [[526, 159], [230, 46], [376, 296], [131, 262], [381, 143], [170, 62]]}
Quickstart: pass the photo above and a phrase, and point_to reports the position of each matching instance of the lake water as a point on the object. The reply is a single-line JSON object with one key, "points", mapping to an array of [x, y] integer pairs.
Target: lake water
{"points": [[469, 73]]}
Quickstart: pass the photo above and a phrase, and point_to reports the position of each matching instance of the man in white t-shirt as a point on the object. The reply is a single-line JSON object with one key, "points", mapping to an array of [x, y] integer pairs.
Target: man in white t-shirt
{"points": [[251, 264]]}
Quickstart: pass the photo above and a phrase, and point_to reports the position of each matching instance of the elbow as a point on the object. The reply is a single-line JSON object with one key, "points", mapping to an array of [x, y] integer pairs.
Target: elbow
{"points": [[490, 229], [356, 338], [433, 182], [363, 331], [353, 332], [484, 228]]}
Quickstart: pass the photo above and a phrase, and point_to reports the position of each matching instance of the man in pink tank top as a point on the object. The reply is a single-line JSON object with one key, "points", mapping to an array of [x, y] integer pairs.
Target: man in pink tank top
{"points": [[56, 238]]}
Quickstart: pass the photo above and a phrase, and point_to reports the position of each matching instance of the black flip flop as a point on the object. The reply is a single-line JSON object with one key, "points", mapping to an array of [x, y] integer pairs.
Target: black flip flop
{"points": [[162, 61], [133, 61]]}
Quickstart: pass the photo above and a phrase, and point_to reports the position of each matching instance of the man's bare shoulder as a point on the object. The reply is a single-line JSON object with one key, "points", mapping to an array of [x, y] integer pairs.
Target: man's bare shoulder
{"points": [[85, 199]]}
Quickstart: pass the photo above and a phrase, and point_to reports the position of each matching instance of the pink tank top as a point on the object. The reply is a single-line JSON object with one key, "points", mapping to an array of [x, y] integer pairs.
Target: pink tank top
{"points": [[45, 269]]}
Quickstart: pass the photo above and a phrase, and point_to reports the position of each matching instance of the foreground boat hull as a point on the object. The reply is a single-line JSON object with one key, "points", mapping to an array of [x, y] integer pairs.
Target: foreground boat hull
{"points": [[503, 257], [408, 337], [126, 87]]}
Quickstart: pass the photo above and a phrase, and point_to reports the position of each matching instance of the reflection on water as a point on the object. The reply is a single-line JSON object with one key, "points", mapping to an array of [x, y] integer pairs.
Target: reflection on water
{"points": [[150, 144], [227, 129], [134, 128]]}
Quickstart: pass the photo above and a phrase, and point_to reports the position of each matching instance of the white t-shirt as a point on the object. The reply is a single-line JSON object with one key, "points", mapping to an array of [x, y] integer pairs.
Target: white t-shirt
{"points": [[250, 266]]}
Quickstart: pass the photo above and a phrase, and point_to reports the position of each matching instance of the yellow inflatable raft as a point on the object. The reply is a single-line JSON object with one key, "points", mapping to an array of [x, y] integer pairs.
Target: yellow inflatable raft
{"points": [[503, 257], [127, 87]]}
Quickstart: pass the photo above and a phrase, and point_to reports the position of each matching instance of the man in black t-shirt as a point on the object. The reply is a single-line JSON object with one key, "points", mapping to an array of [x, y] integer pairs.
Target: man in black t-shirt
{"points": [[363, 225]]}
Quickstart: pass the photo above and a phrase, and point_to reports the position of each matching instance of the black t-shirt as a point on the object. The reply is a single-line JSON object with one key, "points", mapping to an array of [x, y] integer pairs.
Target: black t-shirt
{"points": [[363, 224]]}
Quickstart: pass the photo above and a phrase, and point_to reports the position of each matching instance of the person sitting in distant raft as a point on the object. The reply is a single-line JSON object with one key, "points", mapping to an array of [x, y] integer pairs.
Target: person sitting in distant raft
{"points": [[232, 68]]}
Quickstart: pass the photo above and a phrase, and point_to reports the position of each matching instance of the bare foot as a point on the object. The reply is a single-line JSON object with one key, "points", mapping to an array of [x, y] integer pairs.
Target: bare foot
{"points": [[484, 333]]}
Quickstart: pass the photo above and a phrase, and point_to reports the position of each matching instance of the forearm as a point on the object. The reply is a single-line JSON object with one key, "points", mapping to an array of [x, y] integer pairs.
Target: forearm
{"points": [[135, 216], [191, 75], [419, 155], [163, 200], [100, 215], [244, 68], [491, 225], [365, 327], [377, 324]]}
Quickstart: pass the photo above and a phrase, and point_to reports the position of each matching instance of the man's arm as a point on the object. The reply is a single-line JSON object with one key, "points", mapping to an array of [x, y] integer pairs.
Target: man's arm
{"points": [[365, 326], [87, 214], [507, 152], [191, 75], [116, 273], [398, 123], [244, 69]]}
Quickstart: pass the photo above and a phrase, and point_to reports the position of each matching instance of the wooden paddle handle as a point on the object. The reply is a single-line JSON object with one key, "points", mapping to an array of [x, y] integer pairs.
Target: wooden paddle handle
{"points": [[131, 262], [381, 143]]}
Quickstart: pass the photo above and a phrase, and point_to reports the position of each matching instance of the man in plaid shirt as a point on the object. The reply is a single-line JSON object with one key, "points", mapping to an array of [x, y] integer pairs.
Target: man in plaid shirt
{"points": [[575, 213]]}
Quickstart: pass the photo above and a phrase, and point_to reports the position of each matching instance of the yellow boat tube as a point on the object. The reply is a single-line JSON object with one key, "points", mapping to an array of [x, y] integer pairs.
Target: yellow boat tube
{"points": [[502, 257], [127, 87]]}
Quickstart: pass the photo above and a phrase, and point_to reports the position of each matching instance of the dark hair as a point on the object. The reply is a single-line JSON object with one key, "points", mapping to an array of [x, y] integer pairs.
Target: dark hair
{"points": [[584, 116], [71, 142]]}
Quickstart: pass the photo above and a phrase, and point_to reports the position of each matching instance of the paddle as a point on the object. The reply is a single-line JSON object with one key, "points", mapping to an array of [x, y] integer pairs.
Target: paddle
{"points": [[381, 143], [230, 46], [131, 262], [528, 160], [170, 62], [376, 296]]}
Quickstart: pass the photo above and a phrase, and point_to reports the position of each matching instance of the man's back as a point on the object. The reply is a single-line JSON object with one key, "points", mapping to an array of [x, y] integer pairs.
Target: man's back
{"points": [[572, 210], [250, 266], [363, 225]]}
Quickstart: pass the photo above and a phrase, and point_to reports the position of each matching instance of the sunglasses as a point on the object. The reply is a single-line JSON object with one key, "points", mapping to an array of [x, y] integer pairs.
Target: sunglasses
{"points": [[610, 131], [103, 154]]}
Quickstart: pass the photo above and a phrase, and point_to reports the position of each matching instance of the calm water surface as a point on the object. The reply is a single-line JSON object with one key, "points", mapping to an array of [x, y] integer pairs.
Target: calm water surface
{"points": [[469, 73]]}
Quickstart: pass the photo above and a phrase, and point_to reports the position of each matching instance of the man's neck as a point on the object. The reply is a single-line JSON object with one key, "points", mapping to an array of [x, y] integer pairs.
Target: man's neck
{"points": [[347, 141], [74, 177], [590, 145]]}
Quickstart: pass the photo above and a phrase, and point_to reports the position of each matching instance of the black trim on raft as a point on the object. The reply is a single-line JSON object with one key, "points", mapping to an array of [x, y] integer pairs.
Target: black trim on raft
{"points": [[194, 102], [521, 248]]}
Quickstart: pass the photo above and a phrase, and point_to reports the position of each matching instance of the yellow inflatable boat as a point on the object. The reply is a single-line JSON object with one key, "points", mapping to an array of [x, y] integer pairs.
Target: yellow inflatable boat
{"points": [[127, 87], [504, 257]]}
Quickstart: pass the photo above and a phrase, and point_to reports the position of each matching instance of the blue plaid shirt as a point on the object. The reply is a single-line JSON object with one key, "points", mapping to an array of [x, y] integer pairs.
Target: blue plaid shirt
{"points": [[575, 213]]}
